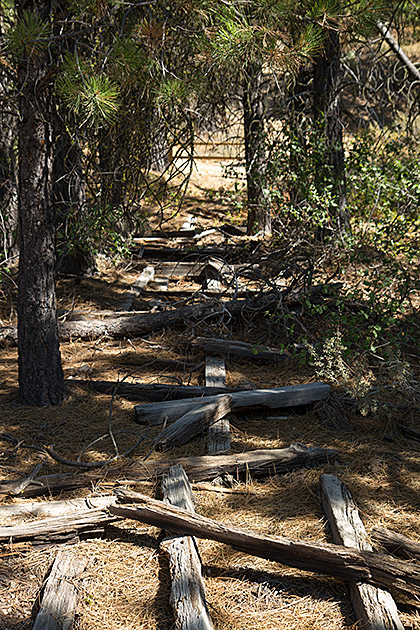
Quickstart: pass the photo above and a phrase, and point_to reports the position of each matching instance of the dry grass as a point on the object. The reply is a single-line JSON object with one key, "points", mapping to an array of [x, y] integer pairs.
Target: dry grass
{"points": [[126, 583]]}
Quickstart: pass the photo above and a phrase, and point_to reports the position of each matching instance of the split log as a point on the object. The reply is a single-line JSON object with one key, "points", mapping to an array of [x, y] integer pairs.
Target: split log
{"points": [[140, 391], [81, 521], [397, 544], [276, 398], [194, 422], [343, 562], [218, 434], [146, 276], [187, 596], [260, 463], [59, 595], [374, 607], [239, 350], [54, 508]]}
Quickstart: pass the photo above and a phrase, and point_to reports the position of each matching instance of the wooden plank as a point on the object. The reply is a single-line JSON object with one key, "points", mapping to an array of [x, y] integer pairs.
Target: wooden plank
{"points": [[59, 594], [339, 561], [215, 372], [140, 283], [397, 544], [276, 398], [239, 349], [218, 434], [194, 422], [160, 283], [187, 596], [374, 607]]}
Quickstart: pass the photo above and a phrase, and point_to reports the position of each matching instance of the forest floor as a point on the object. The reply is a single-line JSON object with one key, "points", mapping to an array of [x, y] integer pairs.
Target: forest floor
{"points": [[126, 583]]}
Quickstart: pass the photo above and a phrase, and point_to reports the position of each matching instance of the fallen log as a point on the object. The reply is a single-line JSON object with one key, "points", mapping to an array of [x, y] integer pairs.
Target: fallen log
{"points": [[140, 391], [81, 521], [187, 598], [276, 398], [343, 562], [260, 463], [141, 325], [146, 276], [194, 422], [239, 350], [397, 544], [374, 607], [56, 606], [202, 468]]}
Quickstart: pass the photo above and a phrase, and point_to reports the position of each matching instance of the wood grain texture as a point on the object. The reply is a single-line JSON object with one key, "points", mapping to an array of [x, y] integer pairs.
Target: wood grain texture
{"points": [[397, 544], [374, 607], [194, 422], [59, 595], [187, 596], [350, 564], [275, 398]]}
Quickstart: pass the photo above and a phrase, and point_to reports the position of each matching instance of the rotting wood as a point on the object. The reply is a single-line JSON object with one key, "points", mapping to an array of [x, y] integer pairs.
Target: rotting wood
{"points": [[218, 434], [140, 283], [343, 562], [239, 350], [81, 521], [21, 485], [172, 254], [374, 607], [194, 422], [140, 391], [59, 595], [397, 544], [138, 325], [259, 463], [187, 596], [276, 398]]}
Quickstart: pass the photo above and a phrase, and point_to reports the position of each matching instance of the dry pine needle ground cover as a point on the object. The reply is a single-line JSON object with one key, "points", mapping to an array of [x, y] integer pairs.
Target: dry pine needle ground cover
{"points": [[126, 584]]}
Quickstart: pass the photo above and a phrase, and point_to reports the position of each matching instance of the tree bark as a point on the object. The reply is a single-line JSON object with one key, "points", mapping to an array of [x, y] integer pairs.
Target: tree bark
{"points": [[8, 166], [258, 211], [343, 562], [327, 113], [397, 544], [41, 381]]}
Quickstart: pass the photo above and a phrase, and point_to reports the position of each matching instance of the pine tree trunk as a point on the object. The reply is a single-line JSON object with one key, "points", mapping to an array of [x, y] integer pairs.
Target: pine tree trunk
{"points": [[41, 381], [258, 211], [8, 183], [327, 110]]}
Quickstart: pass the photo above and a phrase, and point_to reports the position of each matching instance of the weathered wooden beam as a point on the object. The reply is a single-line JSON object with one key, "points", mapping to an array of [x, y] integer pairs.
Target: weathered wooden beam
{"points": [[194, 422], [276, 398], [239, 350], [141, 391], [187, 596], [374, 607], [397, 544], [350, 564], [140, 283], [59, 595], [218, 434], [260, 463], [81, 521], [54, 508]]}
